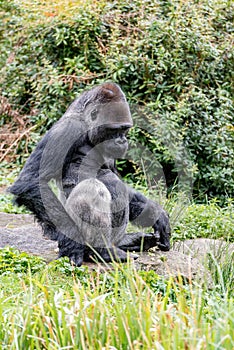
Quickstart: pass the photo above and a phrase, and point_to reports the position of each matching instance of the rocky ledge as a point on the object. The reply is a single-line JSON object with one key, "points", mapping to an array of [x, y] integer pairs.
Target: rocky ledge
{"points": [[187, 259]]}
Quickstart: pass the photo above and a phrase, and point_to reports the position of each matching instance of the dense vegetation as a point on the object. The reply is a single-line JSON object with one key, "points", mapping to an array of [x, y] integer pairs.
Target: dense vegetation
{"points": [[174, 60]]}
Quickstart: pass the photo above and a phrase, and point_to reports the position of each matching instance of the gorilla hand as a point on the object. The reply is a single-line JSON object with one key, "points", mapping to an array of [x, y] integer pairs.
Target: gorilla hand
{"points": [[138, 241], [162, 231], [74, 250]]}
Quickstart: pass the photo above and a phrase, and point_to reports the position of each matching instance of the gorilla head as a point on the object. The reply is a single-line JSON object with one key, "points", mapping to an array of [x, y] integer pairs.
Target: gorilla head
{"points": [[108, 120]]}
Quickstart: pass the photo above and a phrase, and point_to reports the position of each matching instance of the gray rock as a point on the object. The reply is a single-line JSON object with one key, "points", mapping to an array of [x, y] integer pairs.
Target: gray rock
{"points": [[200, 248], [174, 263], [15, 220], [29, 239], [186, 259]]}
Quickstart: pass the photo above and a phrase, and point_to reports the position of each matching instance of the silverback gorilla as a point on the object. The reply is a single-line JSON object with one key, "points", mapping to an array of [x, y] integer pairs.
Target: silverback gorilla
{"points": [[90, 214]]}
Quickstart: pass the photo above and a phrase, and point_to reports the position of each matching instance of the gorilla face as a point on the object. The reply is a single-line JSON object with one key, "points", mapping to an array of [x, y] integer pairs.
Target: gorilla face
{"points": [[112, 142], [111, 123]]}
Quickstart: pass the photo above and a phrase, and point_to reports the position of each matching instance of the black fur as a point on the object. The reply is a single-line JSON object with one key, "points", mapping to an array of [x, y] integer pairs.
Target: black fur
{"points": [[83, 144]]}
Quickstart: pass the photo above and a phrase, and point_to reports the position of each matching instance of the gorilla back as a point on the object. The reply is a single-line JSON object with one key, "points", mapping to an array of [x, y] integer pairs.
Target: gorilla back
{"points": [[90, 216]]}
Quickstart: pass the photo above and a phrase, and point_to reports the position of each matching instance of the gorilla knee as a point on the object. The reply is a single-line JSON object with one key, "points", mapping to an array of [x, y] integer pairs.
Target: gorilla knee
{"points": [[89, 205]]}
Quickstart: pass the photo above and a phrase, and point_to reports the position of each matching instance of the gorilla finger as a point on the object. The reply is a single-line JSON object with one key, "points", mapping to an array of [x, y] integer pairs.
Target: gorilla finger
{"points": [[76, 259], [164, 247], [164, 242]]}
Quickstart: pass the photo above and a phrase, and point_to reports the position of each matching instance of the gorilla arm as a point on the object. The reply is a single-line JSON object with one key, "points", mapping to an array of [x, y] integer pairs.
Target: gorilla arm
{"points": [[145, 213], [32, 187]]}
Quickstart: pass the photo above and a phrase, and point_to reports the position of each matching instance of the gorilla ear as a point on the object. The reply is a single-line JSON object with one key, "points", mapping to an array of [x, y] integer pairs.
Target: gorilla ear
{"points": [[110, 92]]}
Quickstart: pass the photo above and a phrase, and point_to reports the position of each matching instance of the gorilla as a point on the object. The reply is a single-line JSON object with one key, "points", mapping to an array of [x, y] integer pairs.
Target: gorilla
{"points": [[89, 207]]}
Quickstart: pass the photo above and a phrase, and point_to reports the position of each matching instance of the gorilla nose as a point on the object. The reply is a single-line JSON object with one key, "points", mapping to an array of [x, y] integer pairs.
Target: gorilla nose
{"points": [[120, 141]]}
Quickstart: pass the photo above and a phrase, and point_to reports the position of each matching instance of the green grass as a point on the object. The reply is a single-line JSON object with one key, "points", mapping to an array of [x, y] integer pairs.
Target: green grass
{"points": [[57, 306], [7, 177], [60, 307], [185, 78], [207, 221]]}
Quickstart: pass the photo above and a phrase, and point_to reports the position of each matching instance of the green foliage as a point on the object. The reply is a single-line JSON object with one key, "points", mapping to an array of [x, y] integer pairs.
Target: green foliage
{"points": [[13, 261], [7, 177], [115, 309], [207, 221], [172, 58], [222, 270], [7, 205]]}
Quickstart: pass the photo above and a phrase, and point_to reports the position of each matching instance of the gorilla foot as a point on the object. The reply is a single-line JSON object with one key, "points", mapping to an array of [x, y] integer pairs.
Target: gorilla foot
{"points": [[108, 255]]}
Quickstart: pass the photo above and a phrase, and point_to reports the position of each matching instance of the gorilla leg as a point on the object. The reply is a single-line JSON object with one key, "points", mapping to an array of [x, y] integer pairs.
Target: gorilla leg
{"points": [[89, 205]]}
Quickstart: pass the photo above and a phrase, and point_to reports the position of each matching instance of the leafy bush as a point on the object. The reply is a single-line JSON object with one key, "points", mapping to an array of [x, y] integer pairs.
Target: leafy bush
{"points": [[206, 221], [13, 261], [173, 59]]}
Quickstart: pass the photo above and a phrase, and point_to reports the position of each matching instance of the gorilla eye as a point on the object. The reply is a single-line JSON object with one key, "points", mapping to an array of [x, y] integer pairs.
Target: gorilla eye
{"points": [[94, 114]]}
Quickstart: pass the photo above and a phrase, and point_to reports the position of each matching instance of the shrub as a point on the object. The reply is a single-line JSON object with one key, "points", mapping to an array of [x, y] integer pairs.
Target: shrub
{"points": [[206, 221], [13, 261], [174, 59]]}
